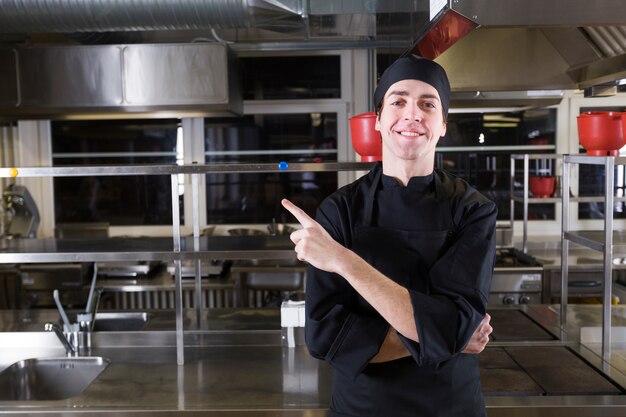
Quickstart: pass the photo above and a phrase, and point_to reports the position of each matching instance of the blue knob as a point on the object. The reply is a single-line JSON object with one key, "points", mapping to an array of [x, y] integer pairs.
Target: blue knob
{"points": [[282, 165]]}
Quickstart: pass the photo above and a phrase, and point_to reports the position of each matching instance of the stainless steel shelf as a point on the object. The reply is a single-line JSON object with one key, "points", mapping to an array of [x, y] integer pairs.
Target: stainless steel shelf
{"points": [[176, 248], [587, 199], [594, 239], [593, 160], [225, 168], [536, 156], [535, 200], [579, 238], [603, 241], [144, 249], [523, 196]]}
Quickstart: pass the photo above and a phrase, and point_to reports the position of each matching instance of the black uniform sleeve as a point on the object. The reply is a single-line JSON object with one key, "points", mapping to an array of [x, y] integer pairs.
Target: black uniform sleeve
{"points": [[459, 283], [334, 331]]}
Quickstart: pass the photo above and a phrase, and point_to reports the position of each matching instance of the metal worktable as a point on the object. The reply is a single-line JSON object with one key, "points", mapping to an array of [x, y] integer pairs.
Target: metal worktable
{"points": [[145, 249], [246, 371]]}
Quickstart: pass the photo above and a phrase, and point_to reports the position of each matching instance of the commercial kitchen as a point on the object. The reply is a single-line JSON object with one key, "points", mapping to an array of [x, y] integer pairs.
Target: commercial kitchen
{"points": [[145, 260]]}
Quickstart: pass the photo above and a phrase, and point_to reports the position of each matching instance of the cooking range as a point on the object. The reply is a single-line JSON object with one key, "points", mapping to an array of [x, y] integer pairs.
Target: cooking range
{"points": [[517, 278]]}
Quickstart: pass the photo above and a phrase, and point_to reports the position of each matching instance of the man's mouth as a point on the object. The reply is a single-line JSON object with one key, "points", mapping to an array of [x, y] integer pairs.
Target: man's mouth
{"points": [[409, 133]]}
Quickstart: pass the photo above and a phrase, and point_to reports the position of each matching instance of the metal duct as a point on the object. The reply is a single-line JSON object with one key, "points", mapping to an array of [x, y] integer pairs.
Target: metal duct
{"points": [[66, 16], [611, 40]]}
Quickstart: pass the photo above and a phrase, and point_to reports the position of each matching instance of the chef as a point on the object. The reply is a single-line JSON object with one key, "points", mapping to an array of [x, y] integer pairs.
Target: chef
{"points": [[400, 264]]}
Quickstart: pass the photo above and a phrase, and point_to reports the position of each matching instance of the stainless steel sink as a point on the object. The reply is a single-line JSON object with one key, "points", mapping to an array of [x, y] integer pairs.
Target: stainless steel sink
{"points": [[120, 322], [48, 379]]}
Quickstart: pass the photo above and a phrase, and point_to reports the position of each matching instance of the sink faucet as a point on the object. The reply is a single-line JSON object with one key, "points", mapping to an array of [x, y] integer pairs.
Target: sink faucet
{"points": [[69, 349], [79, 333]]}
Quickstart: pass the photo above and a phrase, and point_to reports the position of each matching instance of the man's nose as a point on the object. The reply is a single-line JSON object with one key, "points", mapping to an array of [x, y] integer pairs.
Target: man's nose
{"points": [[413, 112]]}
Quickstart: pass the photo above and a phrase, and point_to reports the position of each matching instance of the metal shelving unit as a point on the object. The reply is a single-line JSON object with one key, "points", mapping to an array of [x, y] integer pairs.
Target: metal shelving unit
{"points": [[525, 198], [175, 249], [603, 241]]}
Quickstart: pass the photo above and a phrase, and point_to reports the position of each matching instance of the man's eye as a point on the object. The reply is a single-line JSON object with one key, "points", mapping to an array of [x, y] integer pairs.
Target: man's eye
{"points": [[429, 105]]}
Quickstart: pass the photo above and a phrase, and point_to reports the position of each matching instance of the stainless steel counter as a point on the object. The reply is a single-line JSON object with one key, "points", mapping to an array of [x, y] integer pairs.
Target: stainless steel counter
{"points": [[245, 371], [144, 249]]}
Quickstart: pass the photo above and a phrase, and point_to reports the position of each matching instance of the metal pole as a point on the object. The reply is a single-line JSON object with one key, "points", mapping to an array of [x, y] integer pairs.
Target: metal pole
{"points": [[525, 242], [512, 205], [608, 257], [178, 286], [196, 247], [564, 241]]}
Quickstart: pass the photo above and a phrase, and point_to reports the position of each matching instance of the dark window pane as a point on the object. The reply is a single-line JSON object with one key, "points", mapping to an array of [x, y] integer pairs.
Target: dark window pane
{"points": [[293, 77], [117, 200], [490, 170], [255, 198], [532, 127], [591, 183]]}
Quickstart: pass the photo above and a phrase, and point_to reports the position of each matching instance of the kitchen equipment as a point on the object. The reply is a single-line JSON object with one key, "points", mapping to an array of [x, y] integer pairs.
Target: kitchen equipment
{"points": [[280, 229], [21, 216], [542, 186], [38, 281], [128, 269], [517, 278], [269, 282], [585, 282], [240, 231], [209, 268], [366, 140], [540, 371], [601, 132], [93, 230]]}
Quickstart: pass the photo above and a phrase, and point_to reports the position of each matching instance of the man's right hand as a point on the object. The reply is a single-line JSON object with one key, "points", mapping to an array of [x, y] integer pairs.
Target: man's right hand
{"points": [[480, 338]]}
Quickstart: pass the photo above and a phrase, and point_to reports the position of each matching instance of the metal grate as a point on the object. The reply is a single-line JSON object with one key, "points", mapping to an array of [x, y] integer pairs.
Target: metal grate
{"points": [[165, 299]]}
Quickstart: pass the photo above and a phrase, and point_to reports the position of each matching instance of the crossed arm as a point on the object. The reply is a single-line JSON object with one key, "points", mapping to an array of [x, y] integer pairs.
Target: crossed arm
{"points": [[392, 301]]}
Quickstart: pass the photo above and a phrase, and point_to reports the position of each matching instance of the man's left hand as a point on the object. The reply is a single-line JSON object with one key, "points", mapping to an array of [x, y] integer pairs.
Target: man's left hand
{"points": [[480, 338]]}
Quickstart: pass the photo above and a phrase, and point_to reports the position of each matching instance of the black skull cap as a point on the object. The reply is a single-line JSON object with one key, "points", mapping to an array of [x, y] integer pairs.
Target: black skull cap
{"points": [[415, 68]]}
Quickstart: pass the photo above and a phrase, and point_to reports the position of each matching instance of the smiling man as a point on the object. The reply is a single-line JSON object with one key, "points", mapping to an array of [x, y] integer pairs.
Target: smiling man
{"points": [[400, 265]]}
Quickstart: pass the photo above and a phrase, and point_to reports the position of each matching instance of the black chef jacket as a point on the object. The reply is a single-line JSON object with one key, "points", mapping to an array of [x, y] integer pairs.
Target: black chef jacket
{"points": [[448, 283]]}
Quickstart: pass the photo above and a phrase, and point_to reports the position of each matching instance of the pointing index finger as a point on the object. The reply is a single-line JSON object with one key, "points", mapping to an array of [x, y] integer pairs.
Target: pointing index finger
{"points": [[304, 219]]}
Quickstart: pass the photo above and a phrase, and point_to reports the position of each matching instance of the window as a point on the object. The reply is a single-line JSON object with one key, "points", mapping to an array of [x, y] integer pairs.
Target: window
{"points": [[478, 148], [291, 77], [117, 200], [295, 111], [255, 198]]}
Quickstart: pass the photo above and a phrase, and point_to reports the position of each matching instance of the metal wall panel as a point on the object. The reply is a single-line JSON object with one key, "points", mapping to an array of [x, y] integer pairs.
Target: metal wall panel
{"points": [[175, 74], [70, 76], [112, 80]]}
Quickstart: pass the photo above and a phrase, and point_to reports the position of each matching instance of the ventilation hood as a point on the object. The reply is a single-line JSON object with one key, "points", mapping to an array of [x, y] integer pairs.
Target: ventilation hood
{"points": [[135, 80], [489, 47], [538, 45]]}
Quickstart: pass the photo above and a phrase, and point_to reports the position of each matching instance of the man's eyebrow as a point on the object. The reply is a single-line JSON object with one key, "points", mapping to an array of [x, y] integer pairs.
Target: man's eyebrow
{"points": [[404, 93], [398, 93]]}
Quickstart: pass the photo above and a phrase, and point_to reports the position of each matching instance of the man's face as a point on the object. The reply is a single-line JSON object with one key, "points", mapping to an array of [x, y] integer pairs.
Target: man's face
{"points": [[411, 121]]}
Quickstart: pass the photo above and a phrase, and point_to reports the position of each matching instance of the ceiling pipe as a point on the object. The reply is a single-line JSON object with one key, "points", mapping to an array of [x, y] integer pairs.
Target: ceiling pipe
{"points": [[66, 16]]}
